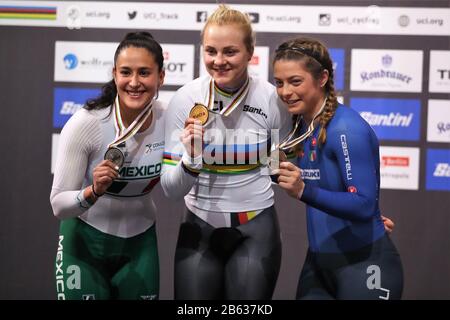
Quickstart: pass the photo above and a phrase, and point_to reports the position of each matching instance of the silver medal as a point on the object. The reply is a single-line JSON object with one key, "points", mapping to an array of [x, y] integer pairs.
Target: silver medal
{"points": [[115, 156]]}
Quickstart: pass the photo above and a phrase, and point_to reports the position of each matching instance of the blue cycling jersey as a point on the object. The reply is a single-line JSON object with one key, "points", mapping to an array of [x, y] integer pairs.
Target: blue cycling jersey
{"points": [[342, 179]]}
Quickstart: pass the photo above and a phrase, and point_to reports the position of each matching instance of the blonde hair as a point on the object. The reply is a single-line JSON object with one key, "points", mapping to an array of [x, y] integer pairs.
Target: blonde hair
{"points": [[315, 57], [224, 15]]}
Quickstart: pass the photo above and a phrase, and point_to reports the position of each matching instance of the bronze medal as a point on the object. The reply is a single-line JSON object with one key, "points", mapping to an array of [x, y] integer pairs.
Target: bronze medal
{"points": [[281, 156], [276, 157]]}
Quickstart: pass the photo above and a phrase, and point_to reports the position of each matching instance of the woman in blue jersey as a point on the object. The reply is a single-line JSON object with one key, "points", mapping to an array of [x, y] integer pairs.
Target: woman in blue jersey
{"points": [[337, 176], [109, 159]]}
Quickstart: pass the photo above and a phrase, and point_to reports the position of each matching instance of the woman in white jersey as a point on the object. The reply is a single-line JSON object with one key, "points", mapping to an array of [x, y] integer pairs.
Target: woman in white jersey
{"points": [[229, 242], [109, 159]]}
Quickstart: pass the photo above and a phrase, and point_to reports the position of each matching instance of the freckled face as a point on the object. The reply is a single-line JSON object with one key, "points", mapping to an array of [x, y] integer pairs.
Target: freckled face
{"points": [[225, 55], [297, 88]]}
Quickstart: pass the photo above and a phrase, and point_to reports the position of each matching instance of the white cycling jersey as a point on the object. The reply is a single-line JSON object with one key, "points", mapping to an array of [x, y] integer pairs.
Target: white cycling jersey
{"points": [[127, 208], [232, 178]]}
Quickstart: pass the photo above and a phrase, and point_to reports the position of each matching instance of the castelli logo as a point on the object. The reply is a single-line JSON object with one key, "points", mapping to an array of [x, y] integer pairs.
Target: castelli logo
{"points": [[352, 189]]}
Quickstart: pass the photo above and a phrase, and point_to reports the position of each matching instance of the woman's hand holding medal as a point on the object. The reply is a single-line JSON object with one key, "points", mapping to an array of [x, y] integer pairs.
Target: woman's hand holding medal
{"points": [[192, 137], [290, 179], [103, 176]]}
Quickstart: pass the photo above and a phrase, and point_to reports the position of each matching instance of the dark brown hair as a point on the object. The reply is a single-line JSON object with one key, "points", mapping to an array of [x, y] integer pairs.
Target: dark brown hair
{"points": [[315, 58]]}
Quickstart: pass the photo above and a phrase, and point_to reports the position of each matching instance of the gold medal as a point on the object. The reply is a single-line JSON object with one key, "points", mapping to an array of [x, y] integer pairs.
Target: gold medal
{"points": [[199, 112]]}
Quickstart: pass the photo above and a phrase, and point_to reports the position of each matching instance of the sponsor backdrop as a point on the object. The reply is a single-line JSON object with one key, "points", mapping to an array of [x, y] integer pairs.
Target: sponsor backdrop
{"points": [[392, 65]]}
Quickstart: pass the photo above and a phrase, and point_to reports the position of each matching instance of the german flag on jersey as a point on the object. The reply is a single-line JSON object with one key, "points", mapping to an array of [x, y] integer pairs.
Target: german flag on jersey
{"points": [[239, 218]]}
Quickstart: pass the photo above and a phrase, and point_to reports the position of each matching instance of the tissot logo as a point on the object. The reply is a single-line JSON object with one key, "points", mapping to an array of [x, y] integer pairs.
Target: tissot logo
{"points": [[439, 76], [178, 63], [444, 74], [174, 66], [438, 169], [391, 119]]}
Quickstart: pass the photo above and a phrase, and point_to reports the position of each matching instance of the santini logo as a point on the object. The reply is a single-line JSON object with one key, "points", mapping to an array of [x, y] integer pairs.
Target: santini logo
{"points": [[390, 120], [247, 108]]}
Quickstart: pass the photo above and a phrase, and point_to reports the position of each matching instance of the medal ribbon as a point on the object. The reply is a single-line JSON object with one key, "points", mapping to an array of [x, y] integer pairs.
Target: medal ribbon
{"points": [[238, 97], [122, 133], [287, 143]]}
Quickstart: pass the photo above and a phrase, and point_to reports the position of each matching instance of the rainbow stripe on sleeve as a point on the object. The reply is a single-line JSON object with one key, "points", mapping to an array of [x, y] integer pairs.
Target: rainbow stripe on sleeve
{"points": [[224, 167]]}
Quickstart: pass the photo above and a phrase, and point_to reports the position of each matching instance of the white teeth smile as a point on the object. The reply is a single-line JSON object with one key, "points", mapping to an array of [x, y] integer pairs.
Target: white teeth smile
{"points": [[134, 93]]}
